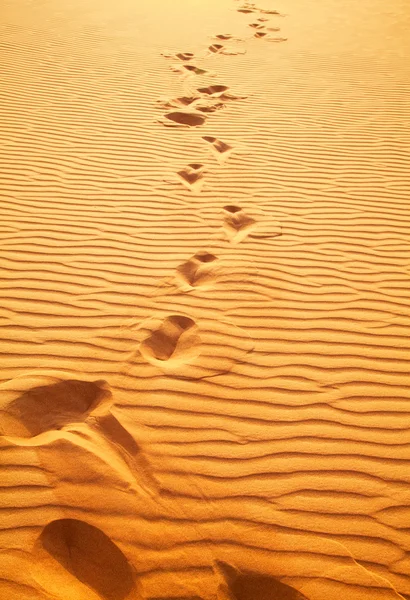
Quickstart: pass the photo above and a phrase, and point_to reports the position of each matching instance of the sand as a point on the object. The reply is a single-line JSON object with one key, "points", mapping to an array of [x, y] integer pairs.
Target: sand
{"points": [[205, 292]]}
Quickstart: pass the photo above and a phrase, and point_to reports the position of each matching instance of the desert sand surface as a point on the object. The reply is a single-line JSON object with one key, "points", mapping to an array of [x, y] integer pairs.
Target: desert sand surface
{"points": [[204, 300]]}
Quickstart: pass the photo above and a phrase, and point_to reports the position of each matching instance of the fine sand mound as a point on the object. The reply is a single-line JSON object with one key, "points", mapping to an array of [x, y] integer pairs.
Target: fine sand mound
{"points": [[205, 300]]}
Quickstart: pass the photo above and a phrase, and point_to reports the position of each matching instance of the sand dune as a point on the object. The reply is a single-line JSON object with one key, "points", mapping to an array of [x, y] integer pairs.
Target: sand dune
{"points": [[205, 300]]}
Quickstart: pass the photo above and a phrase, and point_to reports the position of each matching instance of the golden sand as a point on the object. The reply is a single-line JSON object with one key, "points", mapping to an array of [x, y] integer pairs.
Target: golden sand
{"points": [[205, 300]]}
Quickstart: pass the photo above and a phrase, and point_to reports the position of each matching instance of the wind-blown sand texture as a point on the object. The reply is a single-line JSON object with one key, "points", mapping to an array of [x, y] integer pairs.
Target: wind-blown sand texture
{"points": [[205, 300]]}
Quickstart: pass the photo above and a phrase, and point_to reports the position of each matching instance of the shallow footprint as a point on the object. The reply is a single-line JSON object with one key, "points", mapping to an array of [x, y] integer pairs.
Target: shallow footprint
{"points": [[221, 150], [176, 341], [247, 585], [237, 224], [197, 272], [219, 91], [180, 102], [270, 12], [198, 70], [184, 56], [192, 176], [221, 49], [208, 105], [260, 34], [183, 119]]}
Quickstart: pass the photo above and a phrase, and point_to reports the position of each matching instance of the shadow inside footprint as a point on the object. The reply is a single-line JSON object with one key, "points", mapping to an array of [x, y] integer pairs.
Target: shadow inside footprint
{"points": [[185, 119], [197, 272], [192, 176], [224, 36], [246, 585], [196, 70], [211, 90], [51, 407], [237, 224], [176, 340], [180, 102], [260, 34], [185, 55], [219, 91], [215, 48], [270, 12], [69, 551], [208, 105], [218, 147]]}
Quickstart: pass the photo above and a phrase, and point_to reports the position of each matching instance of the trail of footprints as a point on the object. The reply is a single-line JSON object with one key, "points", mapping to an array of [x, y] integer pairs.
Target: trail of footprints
{"points": [[61, 405]]}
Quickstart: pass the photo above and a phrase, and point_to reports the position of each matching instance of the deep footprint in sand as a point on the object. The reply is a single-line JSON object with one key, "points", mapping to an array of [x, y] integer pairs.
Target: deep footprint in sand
{"points": [[81, 559], [176, 341], [247, 585], [52, 407], [219, 149], [192, 176], [183, 119], [197, 272], [237, 224]]}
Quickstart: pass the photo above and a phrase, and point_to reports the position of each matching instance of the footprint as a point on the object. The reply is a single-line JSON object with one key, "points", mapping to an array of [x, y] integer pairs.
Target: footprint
{"points": [[219, 91], [221, 150], [224, 36], [197, 103], [187, 69], [184, 56], [246, 10], [180, 102], [270, 12], [256, 25], [76, 557], [247, 585], [176, 341], [215, 48], [183, 119], [260, 34], [198, 70], [189, 348], [280, 39], [208, 105], [237, 224], [51, 407], [192, 176], [212, 90], [197, 272], [220, 49]]}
